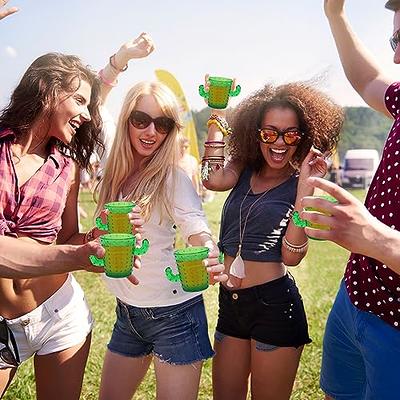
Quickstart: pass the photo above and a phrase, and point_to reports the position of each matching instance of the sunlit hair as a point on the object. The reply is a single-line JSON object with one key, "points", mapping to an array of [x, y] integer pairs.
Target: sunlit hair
{"points": [[152, 188], [48, 80], [320, 119]]}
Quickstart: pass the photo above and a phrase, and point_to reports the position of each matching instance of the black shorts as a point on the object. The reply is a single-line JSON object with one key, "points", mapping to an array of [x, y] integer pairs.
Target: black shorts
{"points": [[271, 313]]}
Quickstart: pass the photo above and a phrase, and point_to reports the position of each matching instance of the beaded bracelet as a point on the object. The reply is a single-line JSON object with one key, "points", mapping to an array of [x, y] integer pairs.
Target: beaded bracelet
{"points": [[221, 123], [105, 81], [112, 63], [294, 248]]}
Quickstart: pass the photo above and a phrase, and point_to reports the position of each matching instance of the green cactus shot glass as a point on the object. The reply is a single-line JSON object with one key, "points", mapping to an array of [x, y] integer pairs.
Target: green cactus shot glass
{"points": [[192, 274], [117, 218], [220, 89], [304, 223], [120, 249]]}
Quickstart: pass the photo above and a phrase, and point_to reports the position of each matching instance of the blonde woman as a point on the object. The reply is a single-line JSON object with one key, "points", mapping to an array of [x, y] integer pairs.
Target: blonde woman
{"points": [[156, 320]]}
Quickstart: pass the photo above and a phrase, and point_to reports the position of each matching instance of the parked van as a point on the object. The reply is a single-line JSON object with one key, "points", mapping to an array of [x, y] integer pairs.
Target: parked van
{"points": [[359, 167]]}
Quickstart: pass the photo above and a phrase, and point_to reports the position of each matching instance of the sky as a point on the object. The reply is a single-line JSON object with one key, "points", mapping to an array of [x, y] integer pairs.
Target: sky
{"points": [[256, 41]]}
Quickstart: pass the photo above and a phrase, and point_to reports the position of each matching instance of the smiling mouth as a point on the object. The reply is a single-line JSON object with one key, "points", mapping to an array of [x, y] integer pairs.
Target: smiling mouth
{"points": [[147, 143], [278, 154], [74, 125]]}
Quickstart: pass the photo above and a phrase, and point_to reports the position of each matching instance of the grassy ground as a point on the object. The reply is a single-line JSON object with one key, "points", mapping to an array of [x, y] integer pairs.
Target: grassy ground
{"points": [[318, 278]]}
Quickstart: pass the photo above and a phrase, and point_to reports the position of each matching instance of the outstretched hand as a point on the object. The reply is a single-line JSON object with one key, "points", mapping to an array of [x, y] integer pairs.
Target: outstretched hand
{"points": [[351, 225], [5, 12]]}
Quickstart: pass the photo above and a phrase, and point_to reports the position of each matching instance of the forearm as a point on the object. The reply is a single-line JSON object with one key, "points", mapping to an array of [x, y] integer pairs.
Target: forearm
{"points": [[201, 239], [23, 260], [358, 64], [110, 73]]}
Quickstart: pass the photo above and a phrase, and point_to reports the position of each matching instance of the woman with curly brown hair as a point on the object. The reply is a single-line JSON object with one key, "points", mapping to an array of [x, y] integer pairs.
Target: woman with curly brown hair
{"points": [[280, 136]]}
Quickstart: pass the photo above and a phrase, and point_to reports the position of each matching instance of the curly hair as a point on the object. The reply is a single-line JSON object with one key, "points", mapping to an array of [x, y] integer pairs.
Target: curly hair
{"points": [[320, 119], [38, 94]]}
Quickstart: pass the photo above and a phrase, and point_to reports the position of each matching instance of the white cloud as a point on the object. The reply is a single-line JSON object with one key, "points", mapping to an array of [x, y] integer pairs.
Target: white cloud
{"points": [[11, 52]]}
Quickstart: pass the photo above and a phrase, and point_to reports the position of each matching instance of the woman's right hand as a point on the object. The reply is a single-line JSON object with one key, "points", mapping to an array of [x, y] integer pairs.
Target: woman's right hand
{"points": [[333, 7]]}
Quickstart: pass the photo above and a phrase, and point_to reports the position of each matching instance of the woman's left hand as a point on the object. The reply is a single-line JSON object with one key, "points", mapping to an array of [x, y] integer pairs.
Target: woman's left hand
{"points": [[314, 165], [140, 47], [214, 267]]}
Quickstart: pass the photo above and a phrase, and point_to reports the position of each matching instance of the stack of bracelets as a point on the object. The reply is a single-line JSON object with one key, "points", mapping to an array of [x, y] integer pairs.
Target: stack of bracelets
{"points": [[214, 158]]}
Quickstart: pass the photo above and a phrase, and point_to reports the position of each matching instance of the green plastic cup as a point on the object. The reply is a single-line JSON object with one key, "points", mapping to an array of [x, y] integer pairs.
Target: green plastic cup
{"points": [[120, 249], [117, 217], [220, 89], [192, 274], [313, 225]]}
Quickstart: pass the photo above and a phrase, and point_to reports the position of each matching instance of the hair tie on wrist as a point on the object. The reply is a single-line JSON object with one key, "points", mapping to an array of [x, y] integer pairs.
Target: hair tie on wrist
{"points": [[112, 63], [105, 81]]}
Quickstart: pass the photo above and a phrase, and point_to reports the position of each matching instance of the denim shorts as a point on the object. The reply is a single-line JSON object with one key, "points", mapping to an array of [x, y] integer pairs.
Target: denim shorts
{"points": [[272, 314], [361, 354], [175, 334], [62, 321]]}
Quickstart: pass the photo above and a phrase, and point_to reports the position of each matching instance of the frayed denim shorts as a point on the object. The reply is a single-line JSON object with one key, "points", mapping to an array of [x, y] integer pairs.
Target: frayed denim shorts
{"points": [[175, 334]]}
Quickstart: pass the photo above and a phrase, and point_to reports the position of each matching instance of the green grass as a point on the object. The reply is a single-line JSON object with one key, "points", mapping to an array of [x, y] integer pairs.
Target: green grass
{"points": [[318, 278]]}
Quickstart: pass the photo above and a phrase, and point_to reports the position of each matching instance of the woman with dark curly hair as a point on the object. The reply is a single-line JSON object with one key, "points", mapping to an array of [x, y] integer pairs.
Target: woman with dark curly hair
{"points": [[279, 137], [47, 132]]}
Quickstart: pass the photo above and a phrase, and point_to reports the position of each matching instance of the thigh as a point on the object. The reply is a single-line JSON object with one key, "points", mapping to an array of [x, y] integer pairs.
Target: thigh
{"points": [[343, 368], [230, 367], [6, 377], [273, 371], [380, 348], [122, 375], [178, 382], [60, 375]]}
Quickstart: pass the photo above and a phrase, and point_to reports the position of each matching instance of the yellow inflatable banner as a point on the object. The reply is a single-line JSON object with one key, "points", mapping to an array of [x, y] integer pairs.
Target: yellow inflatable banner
{"points": [[189, 128]]}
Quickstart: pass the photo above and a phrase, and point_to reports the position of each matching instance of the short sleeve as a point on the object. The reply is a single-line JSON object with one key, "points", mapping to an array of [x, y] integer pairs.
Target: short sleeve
{"points": [[392, 99], [188, 212]]}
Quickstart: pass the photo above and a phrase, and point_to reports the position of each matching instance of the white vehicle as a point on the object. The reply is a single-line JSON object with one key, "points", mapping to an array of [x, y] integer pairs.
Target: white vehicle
{"points": [[359, 167]]}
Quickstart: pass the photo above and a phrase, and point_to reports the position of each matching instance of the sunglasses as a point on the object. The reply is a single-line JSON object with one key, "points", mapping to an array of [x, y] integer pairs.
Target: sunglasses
{"points": [[271, 135], [8, 354], [141, 120], [395, 40]]}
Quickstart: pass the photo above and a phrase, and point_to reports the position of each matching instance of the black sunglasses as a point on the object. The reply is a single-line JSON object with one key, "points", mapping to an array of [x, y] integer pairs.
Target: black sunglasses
{"points": [[8, 354], [395, 40], [141, 120], [291, 137]]}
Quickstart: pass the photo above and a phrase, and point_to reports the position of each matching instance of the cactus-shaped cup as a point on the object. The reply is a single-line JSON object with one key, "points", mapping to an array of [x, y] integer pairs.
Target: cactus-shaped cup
{"points": [[220, 89], [192, 273], [117, 217], [120, 249]]}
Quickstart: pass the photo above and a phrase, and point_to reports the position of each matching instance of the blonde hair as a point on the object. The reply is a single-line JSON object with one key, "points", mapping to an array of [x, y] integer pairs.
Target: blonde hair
{"points": [[151, 189]]}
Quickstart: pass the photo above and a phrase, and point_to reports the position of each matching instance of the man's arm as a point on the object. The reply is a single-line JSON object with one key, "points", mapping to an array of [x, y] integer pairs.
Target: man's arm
{"points": [[359, 66], [19, 259]]}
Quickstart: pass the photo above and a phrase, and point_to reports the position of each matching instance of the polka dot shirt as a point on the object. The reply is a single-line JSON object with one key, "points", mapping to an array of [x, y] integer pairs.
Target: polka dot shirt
{"points": [[371, 285]]}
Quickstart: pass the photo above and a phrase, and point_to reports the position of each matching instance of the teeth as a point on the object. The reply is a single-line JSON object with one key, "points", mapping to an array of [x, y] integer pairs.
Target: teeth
{"points": [[75, 125], [147, 141], [281, 151]]}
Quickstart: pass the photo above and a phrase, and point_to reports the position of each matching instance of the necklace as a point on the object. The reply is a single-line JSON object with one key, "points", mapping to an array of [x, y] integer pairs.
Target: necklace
{"points": [[237, 266]]}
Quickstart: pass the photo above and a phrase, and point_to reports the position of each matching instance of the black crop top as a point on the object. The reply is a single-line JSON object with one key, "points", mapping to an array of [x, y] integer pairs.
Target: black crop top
{"points": [[266, 224]]}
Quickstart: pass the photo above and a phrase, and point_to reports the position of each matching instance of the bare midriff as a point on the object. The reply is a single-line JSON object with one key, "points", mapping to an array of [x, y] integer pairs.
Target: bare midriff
{"points": [[20, 296], [257, 272]]}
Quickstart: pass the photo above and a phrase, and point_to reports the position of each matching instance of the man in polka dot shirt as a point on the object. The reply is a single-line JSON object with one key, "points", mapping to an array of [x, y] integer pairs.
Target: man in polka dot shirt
{"points": [[361, 354]]}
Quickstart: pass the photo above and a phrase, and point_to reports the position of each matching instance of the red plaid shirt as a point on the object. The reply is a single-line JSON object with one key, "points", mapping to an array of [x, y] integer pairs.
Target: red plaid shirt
{"points": [[35, 208], [371, 285]]}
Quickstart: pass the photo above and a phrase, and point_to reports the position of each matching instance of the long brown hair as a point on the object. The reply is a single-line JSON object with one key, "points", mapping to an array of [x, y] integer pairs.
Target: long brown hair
{"points": [[38, 94]]}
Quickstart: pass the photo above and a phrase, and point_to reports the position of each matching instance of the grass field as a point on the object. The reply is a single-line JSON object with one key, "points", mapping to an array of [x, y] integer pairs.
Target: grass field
{"points": [[317, 277]]}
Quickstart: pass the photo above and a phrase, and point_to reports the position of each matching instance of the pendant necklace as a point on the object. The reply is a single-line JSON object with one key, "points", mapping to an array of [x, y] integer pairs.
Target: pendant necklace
{"points": [[237, 266]]}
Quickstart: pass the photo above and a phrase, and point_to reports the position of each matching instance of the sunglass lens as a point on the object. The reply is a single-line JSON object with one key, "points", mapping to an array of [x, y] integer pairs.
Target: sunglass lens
{"points": [[291, 138], [268, 136], [140, 120], [164, 125]]}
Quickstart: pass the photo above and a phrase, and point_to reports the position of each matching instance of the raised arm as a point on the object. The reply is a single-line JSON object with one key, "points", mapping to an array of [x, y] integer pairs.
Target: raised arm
{"points": [[5, 12], [140, 47], [360, 68]]}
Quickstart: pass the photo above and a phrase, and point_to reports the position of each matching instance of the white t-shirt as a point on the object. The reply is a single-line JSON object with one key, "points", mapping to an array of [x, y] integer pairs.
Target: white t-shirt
{"points": [[154, 288]]}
